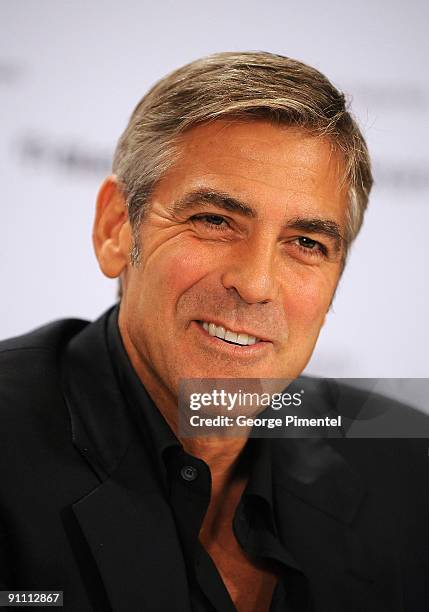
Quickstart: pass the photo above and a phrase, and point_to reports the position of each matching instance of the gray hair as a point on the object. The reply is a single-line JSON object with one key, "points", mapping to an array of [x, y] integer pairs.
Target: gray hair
{"points": [[244, 86]]}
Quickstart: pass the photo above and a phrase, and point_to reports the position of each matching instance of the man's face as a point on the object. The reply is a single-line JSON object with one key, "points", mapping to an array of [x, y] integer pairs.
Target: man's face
{"points": [[243, 233]]}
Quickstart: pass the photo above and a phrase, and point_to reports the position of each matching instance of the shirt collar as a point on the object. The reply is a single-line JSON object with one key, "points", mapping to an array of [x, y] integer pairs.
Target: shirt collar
{"points": [[260, 483]]}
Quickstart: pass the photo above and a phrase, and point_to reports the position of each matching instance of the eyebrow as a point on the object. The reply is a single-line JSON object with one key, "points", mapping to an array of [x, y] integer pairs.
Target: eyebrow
{"points": [[195, 199], [206, 197]]}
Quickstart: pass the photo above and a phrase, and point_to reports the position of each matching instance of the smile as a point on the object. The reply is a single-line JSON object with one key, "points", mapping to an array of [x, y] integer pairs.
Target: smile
{"points": [[228, 335]]}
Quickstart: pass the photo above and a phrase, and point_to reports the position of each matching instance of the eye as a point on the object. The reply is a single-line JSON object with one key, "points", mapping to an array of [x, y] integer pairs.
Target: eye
{"points": [[214, 219], [311, 247], [307, 242], [211, 221]]}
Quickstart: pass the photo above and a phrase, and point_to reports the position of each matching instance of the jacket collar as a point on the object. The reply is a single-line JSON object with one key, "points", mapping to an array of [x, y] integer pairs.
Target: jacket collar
{"points": [[101, 428], [125, 520]]}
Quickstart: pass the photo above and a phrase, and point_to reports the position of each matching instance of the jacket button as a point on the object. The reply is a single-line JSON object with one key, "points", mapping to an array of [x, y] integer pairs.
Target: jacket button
{"points": [[189, 473]]}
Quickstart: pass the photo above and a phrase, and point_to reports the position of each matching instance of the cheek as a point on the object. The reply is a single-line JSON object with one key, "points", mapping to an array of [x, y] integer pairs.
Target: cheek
{"points": [[306, 301], [177, 268]]}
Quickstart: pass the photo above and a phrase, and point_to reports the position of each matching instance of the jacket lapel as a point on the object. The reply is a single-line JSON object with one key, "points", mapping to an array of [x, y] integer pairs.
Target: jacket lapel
{"points": [[131, 533], [318, 500], [125, 520]]}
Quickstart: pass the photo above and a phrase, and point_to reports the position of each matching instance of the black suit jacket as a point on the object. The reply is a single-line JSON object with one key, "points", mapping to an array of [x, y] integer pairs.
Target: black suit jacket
{"points": [[82, 511]]}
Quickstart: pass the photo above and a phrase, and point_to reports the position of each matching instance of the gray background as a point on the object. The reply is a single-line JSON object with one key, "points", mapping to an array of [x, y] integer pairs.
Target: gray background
{"points": [[70, 75]]}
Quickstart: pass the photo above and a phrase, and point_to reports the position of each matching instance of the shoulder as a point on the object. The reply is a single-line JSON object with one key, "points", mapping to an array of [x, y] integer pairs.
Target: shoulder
{"points": [[369, 408], [370, 413], [385, 440], [30, 365], [377, 430], [47, 337], [38, 459]]}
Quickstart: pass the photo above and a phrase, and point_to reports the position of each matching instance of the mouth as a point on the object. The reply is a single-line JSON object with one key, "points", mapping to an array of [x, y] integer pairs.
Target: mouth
{"points": [[229, 336]]}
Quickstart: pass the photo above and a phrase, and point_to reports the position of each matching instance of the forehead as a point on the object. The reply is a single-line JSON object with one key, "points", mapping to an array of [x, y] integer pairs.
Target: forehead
{"points": [[272, 167]]}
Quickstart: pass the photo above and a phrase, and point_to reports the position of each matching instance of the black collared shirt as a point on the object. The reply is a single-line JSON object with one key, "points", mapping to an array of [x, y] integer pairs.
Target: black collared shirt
{"points": [[186, 481]]}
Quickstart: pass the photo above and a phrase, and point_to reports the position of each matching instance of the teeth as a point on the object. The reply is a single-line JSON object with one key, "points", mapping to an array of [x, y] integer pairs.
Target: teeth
{"points": [[220, 332], [228, 335]]}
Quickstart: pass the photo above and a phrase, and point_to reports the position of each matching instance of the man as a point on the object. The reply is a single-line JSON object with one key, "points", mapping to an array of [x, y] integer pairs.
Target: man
{"points": [[237, 189]]}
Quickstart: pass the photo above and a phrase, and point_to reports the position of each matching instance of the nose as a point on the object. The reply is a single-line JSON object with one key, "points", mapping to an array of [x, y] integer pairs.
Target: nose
{"points": [[250, 270]]}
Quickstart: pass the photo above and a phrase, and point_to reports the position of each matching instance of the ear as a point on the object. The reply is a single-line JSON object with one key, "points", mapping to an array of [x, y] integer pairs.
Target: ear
{"points": [[111, 235]]}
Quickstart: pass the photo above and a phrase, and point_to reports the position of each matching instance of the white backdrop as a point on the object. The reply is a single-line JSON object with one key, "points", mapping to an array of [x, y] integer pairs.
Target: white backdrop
{"points": [[70, 75]]}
